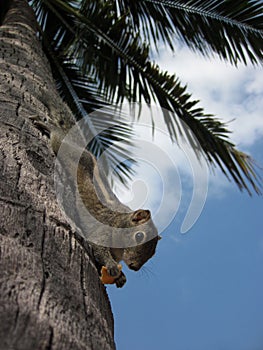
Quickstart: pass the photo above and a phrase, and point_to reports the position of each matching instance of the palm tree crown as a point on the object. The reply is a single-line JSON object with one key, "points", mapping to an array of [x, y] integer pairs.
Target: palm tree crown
{"points": [[100, 53]]}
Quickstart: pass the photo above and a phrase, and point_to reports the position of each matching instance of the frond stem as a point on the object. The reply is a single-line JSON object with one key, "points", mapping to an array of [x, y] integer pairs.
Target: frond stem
{"points": [[206, 13]]}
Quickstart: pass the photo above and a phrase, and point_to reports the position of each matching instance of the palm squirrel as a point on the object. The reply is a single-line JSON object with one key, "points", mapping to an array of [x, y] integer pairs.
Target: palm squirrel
{"points": [[114, 231]]}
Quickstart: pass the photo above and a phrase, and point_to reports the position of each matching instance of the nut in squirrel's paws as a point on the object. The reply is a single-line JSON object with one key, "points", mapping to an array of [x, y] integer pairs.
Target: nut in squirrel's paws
{"points": [[106, 278]]}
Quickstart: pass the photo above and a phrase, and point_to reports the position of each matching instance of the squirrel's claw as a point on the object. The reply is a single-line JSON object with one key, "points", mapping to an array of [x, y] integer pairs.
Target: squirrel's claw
{"points": [[120, 281], [113, 270]]}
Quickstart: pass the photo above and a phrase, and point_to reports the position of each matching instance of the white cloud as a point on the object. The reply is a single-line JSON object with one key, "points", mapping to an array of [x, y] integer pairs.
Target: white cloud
{"points": [[226, 91]]}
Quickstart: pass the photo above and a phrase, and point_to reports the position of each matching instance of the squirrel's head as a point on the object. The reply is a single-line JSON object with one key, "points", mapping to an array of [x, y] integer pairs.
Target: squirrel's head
{"points": [[144, 238]]}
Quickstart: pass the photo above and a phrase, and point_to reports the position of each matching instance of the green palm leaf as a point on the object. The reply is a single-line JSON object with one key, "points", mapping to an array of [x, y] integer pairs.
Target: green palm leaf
{"points": [[98, 40], [232, 29]]}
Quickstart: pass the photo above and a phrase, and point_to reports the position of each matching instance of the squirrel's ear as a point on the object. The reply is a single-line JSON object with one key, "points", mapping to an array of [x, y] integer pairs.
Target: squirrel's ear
{"points": [[159, 237], [140, 216]]}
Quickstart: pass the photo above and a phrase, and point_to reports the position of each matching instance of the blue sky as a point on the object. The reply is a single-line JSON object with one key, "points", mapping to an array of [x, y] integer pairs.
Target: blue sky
{"points": [[204, 290]]}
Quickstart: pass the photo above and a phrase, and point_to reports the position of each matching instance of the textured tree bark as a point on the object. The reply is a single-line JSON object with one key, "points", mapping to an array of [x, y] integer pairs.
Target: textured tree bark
{"points": [[50, 293]]}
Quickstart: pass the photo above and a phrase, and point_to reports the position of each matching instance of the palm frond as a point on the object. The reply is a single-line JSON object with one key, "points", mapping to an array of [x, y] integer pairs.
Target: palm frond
{"points": [[231, 29], [104, 47]]}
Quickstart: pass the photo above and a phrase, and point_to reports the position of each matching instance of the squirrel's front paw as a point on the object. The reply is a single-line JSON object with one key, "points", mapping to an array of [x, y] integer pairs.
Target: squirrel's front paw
{"points": [[106, 278], [113, 270], [120, 281]]}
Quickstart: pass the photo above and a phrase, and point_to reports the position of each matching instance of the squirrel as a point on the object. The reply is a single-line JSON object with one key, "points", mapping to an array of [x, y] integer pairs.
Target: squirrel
{"points": [[113, 230]]}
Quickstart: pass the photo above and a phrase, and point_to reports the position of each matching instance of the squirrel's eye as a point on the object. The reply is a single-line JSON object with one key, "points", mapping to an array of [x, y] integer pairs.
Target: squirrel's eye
{"points": [[139, 237]]}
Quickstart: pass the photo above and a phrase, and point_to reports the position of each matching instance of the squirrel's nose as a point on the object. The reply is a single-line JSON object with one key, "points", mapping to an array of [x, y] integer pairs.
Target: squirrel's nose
{"points": [[133, 267]]}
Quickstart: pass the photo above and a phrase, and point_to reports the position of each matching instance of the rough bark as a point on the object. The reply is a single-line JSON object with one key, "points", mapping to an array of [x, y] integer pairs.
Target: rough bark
{"points": [[50, 293]]}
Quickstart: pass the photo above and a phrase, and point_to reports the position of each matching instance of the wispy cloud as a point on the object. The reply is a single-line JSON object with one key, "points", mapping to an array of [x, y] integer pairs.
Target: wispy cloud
{"points": [[233, 94]]}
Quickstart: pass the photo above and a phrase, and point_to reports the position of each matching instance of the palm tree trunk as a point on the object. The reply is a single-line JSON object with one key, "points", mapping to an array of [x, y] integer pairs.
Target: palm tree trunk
{"points": [[50, 294]]}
